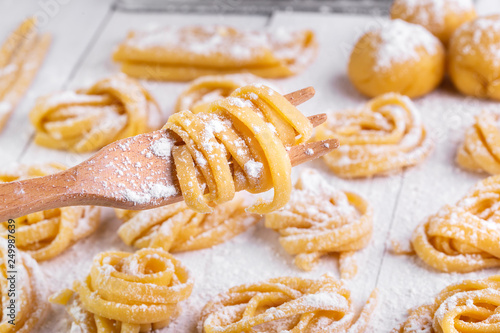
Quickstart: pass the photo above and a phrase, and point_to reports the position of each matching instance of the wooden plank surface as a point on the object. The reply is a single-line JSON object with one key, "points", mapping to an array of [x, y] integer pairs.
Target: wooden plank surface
{"points": [[85, 34]]}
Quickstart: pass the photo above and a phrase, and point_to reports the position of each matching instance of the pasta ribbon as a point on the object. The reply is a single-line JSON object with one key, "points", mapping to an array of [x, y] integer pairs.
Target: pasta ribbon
{"points": [[185, 53], [88, 119], [176, 228], [320, 219], [480, 150], [207, 89], [383, 136], [24, 298], [238, 143], [21, 56], [464, 237], [470, 306], [127, 293], [286, 304], [48, 233]]}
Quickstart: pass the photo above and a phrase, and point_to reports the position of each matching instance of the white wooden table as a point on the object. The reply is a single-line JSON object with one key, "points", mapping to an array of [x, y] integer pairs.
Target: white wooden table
{"points": [[84, 35]]}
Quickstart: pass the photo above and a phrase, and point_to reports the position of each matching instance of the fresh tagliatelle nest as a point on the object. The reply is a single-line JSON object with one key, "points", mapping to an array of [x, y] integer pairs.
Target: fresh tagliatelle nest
{"points": [[286, 304], [466, 236], [127, 292], [177, 228], [320, 220], [480, 150], [470, 306], [185, 53], [384, 136], [88, 119]]}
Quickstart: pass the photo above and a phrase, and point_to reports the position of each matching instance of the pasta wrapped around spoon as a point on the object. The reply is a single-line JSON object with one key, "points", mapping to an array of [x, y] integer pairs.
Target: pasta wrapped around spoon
{"points": [[206, 89], [238, 143]]}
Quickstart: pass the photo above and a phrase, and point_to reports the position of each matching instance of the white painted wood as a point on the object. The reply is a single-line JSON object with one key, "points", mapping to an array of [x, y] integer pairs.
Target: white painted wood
{"points": [[400, 201]]}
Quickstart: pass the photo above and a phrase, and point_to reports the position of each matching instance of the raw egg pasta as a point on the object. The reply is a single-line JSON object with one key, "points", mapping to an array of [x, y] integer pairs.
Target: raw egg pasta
{"points": [[464, 237], [88, 119], [207, 89], [176, 228], [383, 136], [471, 306], [48, 233], [239, 143], [21, 56], [127, 292], [286, 304], [30, 296], [319, 220], [185, 53], [480, 150]]}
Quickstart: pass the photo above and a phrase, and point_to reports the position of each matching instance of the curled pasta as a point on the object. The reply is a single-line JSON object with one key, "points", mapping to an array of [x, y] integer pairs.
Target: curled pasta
{"points": [[176, 228], [21, 56], [88, 119], [286, 304], [383, 136], [185, 53], [29, 295], [480, 150], [48, 233], [206, 89], [127, 292], [238, 143], [319, 220], [464, 237], [470, 306]]}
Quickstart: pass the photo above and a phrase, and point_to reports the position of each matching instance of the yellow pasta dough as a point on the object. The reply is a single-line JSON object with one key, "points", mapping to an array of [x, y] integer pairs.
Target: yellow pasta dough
{"points": [[21, 56], [176, 228], [127, 293], [47, 234], [286, 304], [88, 119], [471, 306], [480, 150], [466, 236], [319, 220], [185, 53], [383, 136], [441, 17], [473, 62], [399, 57], [207, 89], [24, 298], [239, 143]]}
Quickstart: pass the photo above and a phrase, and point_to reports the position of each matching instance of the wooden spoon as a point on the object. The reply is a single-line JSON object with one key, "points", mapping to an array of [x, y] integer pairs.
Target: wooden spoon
{"points": [[126, 174]]}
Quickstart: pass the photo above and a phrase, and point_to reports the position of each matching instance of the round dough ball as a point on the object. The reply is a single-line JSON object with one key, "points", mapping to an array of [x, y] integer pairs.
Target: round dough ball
{"points": [[398, 57], [441, 17], [474, 58]]}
